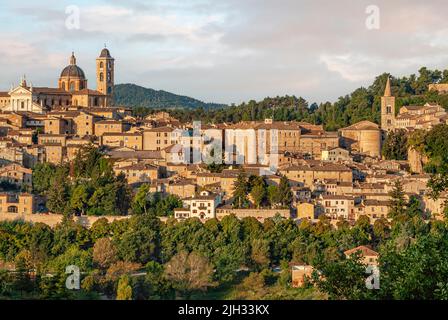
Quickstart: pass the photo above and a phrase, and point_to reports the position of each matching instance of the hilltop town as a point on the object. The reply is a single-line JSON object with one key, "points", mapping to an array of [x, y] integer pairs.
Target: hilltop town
{"points": [[340, 174], [86, 181]]}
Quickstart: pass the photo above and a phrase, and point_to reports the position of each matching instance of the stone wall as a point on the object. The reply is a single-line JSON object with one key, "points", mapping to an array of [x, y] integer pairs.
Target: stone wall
{"points": [[416, 160], [53, 219], [259, 214]]}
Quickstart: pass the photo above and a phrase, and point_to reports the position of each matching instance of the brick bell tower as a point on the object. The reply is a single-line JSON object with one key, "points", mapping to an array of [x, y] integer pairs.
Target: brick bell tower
{"points": [[388, 109], [105, 75]]}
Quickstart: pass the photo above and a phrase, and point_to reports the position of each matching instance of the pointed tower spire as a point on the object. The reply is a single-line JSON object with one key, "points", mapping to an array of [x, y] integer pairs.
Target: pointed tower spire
{"points": [[73, 59], [387, 91]]}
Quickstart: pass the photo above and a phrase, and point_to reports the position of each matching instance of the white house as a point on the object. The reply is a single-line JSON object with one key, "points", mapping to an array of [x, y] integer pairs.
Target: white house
{"points": [[202, 206]]}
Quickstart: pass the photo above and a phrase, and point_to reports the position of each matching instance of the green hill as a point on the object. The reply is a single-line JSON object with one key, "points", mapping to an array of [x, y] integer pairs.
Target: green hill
{"points": [[135, 96]]}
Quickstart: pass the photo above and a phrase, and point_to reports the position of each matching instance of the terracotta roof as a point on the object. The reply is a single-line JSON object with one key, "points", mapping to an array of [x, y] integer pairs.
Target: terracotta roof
{"points": [[365, 251], [161, 129], [336, 197], [139, 166], [323, 167], [46, 90], [137, 154], [128, 134], [362, 125], [89, 92], [109, 122], [376, 202]]}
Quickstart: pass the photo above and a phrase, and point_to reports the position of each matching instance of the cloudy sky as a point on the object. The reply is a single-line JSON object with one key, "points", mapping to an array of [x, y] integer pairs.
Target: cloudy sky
{"points": [[225, 51]]}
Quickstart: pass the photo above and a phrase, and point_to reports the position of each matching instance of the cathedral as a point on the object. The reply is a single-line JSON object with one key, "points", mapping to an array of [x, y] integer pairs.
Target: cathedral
{"points": [[72, 89]]}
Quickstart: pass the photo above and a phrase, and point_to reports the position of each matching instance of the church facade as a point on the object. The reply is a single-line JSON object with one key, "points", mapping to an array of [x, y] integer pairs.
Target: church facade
{"points": [[72, 89]]}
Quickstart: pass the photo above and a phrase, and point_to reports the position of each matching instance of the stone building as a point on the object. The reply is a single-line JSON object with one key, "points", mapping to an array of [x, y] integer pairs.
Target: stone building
{"points": [[139, 173], [17, 203], [363, 137], [72, 89], [202, 206], [336, 207], [369, 256], [309, 175], [410, 117], [388, 109], [132, 140], [16, 174], [336, 155]]}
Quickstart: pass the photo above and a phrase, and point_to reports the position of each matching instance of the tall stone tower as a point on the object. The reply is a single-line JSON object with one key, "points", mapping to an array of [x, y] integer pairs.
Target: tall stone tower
{"points": [[105, 75], [387, 109]]}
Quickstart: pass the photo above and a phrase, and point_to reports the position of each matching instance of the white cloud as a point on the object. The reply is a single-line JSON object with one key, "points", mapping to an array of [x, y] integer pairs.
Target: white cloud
{"points": [[230, 50]]}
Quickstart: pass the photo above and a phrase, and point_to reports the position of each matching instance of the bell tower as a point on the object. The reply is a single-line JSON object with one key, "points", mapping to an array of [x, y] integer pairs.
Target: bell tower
{"points": [[388, 109], [105, 75]]}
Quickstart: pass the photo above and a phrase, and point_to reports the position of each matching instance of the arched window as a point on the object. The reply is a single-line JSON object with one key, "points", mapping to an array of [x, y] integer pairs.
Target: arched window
{"points": [[95, 102], [72, 86], [63, 86], [101, 65], [101, 76], [108, 77]]}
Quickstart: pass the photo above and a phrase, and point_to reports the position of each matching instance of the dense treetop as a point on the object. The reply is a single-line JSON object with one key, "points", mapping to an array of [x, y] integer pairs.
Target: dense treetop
{"points": [[361, 104], [135, 96]]}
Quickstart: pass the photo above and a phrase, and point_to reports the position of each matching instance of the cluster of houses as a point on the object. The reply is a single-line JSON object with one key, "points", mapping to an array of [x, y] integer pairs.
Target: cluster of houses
{"points": [[339, 174]]}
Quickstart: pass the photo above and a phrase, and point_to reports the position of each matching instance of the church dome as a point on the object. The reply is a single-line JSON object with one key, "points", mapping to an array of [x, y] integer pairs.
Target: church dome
{"points": [[105, 53], [72, 70]]}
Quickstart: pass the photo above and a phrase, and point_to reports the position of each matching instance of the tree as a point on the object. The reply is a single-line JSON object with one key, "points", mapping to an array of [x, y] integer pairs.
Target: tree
{"points": [[258, 191], [397, 207], [141, 201], [436, 148], [273, 195], [343, 279], [253, 287], [284, 190], [104, 253], [100, 229], [396, 145], [158, 285], [124, 290], [414, 207], [42, 175], [57, 196], [260, 253], [24, 265], [241, 189], [417, 270], [140, 243], [78, 199], [188, 272], [120, 268]]}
